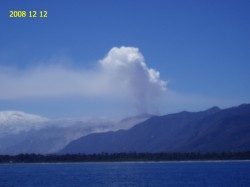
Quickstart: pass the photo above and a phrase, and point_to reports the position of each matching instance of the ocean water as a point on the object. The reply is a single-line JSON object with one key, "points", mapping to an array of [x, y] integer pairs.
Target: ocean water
{"points": [[176, 174]]}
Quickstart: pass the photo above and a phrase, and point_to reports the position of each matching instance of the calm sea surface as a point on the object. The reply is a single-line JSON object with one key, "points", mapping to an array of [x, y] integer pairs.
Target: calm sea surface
{"points": [[200, 174]]}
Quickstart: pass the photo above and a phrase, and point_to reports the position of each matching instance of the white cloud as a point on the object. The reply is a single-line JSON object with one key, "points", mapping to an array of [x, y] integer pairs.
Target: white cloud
{"points": [[122, 73], [46, 81], [128, 73]]}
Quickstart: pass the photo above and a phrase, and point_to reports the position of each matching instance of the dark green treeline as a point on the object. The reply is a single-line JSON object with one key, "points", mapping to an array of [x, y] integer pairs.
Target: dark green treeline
{"points": [[123, 157]]}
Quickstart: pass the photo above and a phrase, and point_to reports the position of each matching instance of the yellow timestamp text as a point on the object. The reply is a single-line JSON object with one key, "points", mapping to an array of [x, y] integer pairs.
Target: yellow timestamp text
{"points": [[29, 14]]}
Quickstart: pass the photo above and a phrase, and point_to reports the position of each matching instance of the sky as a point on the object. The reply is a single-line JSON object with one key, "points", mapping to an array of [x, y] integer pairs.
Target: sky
{"points": [[121, 58]]}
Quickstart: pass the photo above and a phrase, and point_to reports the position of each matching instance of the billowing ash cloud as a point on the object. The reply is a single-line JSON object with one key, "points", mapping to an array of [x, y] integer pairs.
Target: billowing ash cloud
{"points": [[121, 74], [127, 70]]}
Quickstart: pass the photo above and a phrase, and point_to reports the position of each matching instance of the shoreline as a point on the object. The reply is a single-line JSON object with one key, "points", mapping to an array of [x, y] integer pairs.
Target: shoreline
{"points": [[126, 158], [126, 162]]}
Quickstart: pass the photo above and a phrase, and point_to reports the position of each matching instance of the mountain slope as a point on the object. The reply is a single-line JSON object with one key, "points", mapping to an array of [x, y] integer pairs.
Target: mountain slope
{"points": [[226, 131], [13, 122], [53, 137], [27, 133], [210, 130]]}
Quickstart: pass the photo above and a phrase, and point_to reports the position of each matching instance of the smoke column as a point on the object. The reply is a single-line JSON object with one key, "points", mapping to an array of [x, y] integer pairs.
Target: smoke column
{"points": [[126, 67]]}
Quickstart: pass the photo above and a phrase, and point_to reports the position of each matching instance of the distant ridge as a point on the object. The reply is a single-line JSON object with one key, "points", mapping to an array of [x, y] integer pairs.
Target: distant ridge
{"points": [[212, 130], [28, 133]]}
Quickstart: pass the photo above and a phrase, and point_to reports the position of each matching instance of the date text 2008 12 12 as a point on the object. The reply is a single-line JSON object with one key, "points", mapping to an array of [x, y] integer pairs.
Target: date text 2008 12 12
{"points": [[30, 14]]}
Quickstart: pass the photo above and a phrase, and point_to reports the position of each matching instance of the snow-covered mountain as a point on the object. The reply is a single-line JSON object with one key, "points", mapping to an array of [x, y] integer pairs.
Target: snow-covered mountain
{"points": [[27, 133], [14, 122], [8, 117]]}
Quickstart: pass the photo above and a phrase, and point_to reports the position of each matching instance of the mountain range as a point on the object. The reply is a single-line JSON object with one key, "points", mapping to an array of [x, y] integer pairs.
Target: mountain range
{"points": [[212, 130]]}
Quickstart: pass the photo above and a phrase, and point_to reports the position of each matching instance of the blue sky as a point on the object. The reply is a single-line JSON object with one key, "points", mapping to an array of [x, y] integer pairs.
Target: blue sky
{"points": [[201, 48]]}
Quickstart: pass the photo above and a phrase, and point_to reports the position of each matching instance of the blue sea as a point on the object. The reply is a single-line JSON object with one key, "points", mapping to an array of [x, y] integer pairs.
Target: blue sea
{"points": [[176, 174]]}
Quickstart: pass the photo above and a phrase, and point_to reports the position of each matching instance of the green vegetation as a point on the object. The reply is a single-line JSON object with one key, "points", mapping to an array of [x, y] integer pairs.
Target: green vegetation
{"points": [[123, 157]]}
